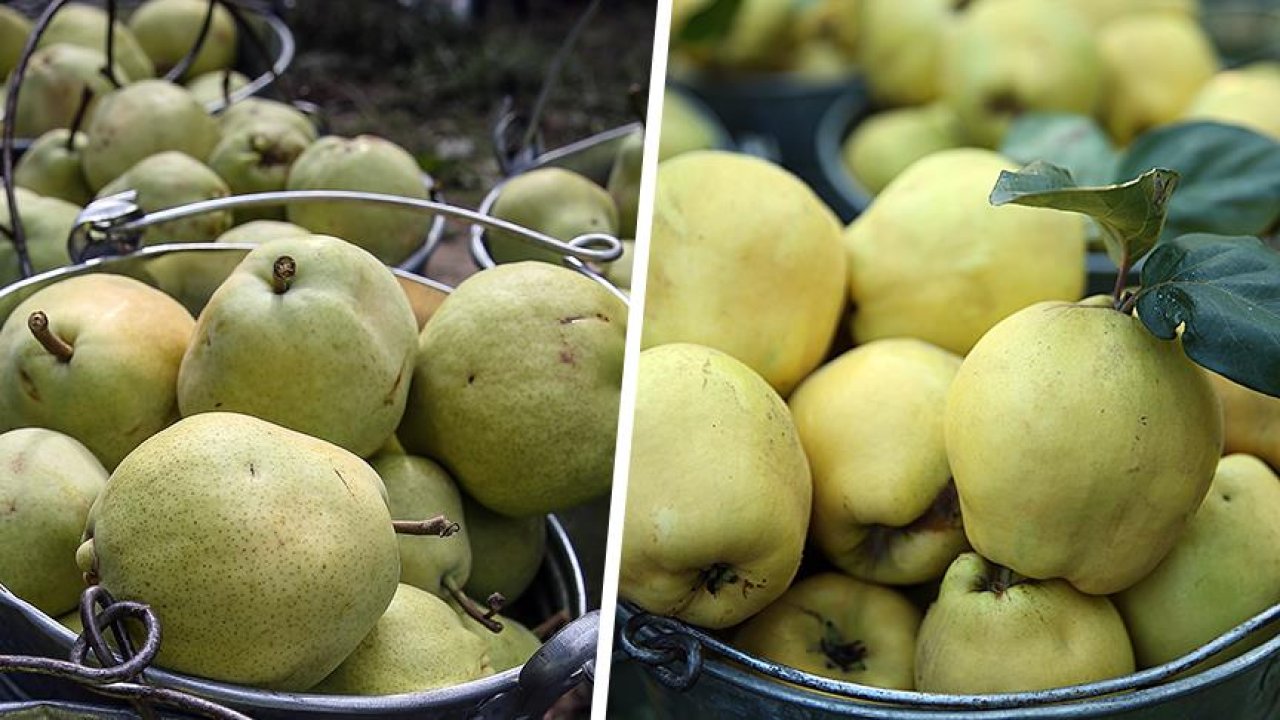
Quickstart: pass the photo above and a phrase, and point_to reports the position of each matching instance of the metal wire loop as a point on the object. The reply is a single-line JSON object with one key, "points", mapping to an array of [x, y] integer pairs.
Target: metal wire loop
{"points": [[660, 644]]}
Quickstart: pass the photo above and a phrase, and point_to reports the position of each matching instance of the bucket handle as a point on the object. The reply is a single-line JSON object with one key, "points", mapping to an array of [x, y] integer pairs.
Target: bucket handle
{"points": [[113, 225], [562, 663]]}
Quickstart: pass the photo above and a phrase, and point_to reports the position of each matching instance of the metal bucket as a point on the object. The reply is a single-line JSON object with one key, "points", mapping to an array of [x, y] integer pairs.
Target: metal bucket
{"points": [[842, 191], [591, 157], [277, 40], [688, 673], [191, 272], [775, 116]]}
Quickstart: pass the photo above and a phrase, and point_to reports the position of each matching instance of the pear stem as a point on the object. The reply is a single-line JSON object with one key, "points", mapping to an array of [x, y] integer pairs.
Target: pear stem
{"points": [[439, 525], [1122, 276], [38, 323], [282, 274], [469, 606]]}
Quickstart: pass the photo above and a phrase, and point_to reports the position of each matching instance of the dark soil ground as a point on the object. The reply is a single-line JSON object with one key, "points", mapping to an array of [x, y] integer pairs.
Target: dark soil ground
{"points": [[414, 72]]}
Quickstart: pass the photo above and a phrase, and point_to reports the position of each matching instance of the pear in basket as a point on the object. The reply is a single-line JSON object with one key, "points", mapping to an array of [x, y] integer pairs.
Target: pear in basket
{"points": [[370, 164], [170, 179], [86, 25], [140, 120], [554, 201], [47, 483], [417, 644], [516, 387], [46, 224], [168, 29], [312, 333], [266, 554], [95, 357], [52, 167]]}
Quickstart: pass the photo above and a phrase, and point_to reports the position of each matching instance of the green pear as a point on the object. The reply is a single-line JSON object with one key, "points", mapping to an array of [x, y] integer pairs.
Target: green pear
{"points": [[1224, 569], [95, 357], [715, 254], [1080, 443], [300, 319], [715, 551], [619, 271], [885, 144], [14, 28], [86, 25], [169, 179], [506, 552], [418, 644], [71, 620], [418, 488], [369, 164], [992, 631], [257, 159], [214, 86], [168, 29], [1153, 65], [140, 120], [48, 480], [517, 385], [685, 127], [899, 48], [46, 224], [52, 167], [510, 647], [255, 110], [52, 89], [1008, 57], [838, 627], [1240, 97], [260, 231], [624, 182], [556, 202], [932, 259], [267, 554], [884, 507]]}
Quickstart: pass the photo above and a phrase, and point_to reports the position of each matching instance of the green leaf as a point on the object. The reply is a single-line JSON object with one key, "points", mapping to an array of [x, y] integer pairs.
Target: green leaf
{"points": [[1130, 214], [711, 23], [1225, 294], [1073, 142], [1230, 177]]}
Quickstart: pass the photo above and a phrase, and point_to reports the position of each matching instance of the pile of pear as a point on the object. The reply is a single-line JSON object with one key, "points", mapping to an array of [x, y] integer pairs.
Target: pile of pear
{"points": [[943, 74], [565, 204], [807, 41], [908, 454], [313, 488], [160, 139]]}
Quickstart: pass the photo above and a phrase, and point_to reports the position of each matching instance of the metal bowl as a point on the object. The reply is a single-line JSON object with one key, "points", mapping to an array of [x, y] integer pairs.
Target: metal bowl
{"points": [[274, 33]]}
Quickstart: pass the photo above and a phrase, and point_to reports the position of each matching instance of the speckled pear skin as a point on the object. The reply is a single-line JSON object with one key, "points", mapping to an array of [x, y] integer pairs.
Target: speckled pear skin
{"points": [[118, 388], [332, 356], [169, 179], [47, 483], [140, 120], [510, 647], [506, 552], [267, 555], [370, 164], [418, 489], [418, 644]]}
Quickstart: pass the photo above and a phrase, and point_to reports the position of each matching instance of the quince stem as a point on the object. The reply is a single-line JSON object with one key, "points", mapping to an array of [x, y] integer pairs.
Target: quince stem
{"points": [[470, 607], [282, 273], [38, 323]]}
